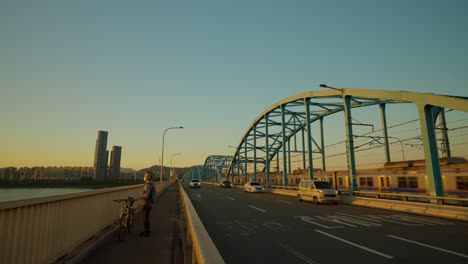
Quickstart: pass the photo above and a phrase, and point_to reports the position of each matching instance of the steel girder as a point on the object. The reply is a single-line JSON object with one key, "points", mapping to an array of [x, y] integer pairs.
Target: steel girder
{"points": [[278, 126], [215, 167]]}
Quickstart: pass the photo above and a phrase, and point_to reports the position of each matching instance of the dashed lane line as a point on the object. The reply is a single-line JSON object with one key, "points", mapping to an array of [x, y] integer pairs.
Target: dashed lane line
{"points": [[429, 246], [257, 208], [356, 245]]}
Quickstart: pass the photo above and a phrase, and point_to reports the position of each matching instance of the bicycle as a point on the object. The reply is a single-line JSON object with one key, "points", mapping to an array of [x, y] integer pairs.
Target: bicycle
{"points": [[127, 215]]}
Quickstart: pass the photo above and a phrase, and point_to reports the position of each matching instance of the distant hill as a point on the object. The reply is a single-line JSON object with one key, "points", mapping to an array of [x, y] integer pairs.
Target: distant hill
{"points": [[127, 170], [156, 168]]}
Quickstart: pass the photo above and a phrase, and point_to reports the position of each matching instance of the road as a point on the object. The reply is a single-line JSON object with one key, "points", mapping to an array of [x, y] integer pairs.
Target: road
{"points": [[270, 228]]}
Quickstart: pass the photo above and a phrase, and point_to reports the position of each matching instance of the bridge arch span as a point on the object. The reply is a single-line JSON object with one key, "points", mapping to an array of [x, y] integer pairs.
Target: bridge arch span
{"points": [[270, 135]]}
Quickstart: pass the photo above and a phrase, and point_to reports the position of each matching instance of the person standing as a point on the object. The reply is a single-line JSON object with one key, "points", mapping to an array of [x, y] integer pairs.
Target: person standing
{"points": [[149, 192]]}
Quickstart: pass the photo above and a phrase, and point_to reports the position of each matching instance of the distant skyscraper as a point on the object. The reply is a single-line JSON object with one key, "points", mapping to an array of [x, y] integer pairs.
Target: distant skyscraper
{"points": [[101, 156], [114, 168]]}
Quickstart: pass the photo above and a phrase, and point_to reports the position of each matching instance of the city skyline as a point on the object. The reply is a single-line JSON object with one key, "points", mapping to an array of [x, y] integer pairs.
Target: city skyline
{"points": [[135, 69]]}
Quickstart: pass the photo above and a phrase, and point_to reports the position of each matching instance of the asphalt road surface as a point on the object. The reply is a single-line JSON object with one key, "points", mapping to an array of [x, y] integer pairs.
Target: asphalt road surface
{"points": [[270, 228]]}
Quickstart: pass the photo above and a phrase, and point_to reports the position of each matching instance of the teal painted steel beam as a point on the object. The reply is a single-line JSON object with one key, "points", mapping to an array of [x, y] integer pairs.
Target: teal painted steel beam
{"points": [[255, 153], [349, 142], [245, 160], [283, 129], [303, 149], [383, 116], [309, 137], [289, 156], [267, 156], [322, 143], [431, 154], [445, 138]]}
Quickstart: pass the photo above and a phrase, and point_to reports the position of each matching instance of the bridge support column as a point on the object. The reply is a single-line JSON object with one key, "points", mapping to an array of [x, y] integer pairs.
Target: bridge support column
{"points": [[283, 132], [255, 152], [383, 115], [443, 127], [267, 154], [245, 159], [349, 142], [431, 154], [322, 143], [309, 138]]}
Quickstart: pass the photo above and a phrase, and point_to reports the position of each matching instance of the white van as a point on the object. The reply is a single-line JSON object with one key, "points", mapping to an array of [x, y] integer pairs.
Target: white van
{"points": [[317, 192]]}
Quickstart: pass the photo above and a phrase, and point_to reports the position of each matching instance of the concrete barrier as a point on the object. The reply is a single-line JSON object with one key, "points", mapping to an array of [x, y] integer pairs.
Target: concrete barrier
{"points": [[47, 230], [199, 246]]}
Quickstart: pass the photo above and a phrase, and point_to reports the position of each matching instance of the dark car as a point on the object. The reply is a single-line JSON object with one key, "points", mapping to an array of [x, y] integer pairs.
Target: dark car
{"points": [[225, 184]]}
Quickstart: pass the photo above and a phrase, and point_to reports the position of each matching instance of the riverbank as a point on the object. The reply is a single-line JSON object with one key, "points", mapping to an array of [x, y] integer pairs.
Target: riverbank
{"points": [[78, 184]]}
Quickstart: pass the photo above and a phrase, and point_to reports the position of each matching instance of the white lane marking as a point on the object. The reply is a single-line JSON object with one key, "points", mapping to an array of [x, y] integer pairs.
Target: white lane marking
{"points": [[356, 220], [387, 218], [285, 202], [298, 254], [360, 217], [356, 245], [424, 220], [257, 208], [307, 219], [334, 221], [429, 246], [232, 199]]}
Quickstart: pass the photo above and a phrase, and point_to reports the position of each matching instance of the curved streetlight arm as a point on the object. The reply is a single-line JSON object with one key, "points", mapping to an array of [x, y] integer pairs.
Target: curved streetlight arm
{"points": [[162, 152]]}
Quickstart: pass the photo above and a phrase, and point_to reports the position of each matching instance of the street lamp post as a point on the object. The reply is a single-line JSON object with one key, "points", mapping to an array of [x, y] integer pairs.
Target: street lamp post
{"points": [[162, 152], [172, 168], [402, 149]]}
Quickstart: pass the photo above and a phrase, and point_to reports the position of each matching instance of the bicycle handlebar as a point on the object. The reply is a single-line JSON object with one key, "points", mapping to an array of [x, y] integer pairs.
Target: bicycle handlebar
{"points": [[130, 199]]}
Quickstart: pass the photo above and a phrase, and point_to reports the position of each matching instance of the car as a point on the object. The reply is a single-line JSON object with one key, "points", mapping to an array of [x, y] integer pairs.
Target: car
{"points": [[317, 191], [225, 184], [194, 184], [253, 187]]}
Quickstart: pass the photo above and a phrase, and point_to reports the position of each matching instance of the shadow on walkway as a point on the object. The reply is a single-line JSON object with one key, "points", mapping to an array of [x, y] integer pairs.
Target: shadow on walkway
{"points": [[162, 246]]}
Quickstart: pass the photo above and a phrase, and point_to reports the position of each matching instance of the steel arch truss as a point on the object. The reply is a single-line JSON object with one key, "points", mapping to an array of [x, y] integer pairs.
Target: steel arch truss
{"points": [[275, 133], [216, 167]]}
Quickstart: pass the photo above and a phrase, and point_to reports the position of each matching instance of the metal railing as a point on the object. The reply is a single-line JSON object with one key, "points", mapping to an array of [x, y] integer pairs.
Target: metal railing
{"points": [[47, 230], [198, 246], [416, 197]]}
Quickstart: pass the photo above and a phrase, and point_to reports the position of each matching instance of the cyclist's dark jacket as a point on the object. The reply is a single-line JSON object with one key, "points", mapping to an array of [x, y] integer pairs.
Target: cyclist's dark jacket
{"points": [[147, 192]]}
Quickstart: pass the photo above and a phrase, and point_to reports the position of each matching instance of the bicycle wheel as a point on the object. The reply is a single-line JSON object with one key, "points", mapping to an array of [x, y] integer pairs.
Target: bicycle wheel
{"points": [[122, 225], [129, 222]]}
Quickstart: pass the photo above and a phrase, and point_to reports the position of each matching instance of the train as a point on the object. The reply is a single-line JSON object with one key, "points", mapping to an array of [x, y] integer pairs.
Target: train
{"points": [[408, 177]]}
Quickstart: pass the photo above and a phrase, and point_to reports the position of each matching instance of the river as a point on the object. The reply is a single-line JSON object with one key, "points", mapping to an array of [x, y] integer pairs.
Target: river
{"points": [[14, 194]]}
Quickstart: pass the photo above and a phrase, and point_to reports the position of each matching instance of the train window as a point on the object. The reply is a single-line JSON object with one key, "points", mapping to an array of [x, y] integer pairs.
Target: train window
{"points": [[388, 181], [340, 181], [370, 181], [362, 181], [407, 182], [462, 182], [402, 182], [366, 181], [331, 181], [412, 182]]}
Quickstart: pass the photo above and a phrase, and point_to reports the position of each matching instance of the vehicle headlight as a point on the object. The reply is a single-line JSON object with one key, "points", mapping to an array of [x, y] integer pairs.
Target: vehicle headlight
{"points": [[320, 191]]}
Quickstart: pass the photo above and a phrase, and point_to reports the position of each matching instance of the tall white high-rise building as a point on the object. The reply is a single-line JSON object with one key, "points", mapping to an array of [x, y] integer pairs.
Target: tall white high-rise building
{"points": [[101, 156], [114, 168]]}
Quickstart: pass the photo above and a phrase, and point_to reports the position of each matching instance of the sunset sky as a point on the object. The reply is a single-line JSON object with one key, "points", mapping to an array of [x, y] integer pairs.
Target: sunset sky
{"points": [[135, 68]]}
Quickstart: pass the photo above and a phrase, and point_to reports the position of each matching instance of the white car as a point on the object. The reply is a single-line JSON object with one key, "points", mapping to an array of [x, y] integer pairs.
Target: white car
{"points": [[253, 187], [195, 184]]}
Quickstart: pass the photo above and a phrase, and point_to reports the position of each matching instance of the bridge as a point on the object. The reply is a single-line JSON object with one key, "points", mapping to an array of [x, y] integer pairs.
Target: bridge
{"points": [[229, 225]]}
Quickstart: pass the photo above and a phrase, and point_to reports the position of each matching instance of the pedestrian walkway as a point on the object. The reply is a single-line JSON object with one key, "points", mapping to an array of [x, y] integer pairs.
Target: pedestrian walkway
{"points": [[162, 246]]}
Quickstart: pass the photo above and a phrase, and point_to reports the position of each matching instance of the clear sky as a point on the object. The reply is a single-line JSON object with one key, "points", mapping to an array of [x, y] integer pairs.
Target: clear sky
{"points": [[135, 68]]}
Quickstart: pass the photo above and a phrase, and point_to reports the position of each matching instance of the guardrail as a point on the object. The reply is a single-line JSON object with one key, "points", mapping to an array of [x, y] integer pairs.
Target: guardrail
{"points": [[49, 229], [199, 248], [406, 196]]}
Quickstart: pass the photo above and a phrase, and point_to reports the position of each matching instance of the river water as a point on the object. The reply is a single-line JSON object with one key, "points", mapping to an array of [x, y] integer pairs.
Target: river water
{"points": [[14, 194]]}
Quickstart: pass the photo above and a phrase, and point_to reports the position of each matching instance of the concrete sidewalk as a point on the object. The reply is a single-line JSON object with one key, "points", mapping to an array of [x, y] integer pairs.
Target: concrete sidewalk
{"points": [[162, 246]]}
